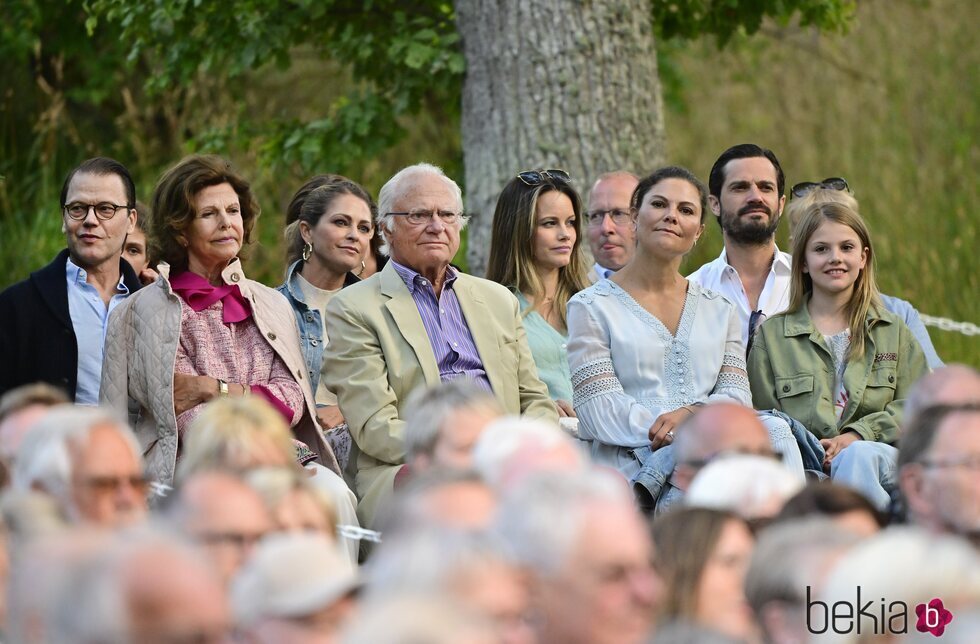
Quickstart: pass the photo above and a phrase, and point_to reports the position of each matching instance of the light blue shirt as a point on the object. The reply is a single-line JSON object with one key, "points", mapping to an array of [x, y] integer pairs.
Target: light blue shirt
{"points": [[549, 348], [89, 319]]}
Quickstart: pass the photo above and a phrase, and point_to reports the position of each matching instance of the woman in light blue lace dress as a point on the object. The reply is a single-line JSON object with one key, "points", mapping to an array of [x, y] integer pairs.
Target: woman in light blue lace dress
{"points": [[646, 346]]}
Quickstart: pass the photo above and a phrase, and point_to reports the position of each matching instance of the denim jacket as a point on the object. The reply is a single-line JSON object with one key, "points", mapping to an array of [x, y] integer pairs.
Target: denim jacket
{"points": [[792, 370], [309, 321]]}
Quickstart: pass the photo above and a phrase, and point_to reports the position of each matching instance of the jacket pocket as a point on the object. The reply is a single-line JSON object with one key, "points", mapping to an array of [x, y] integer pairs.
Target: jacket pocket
{"points": [[880, 390], [796, 398], [790, 386]]}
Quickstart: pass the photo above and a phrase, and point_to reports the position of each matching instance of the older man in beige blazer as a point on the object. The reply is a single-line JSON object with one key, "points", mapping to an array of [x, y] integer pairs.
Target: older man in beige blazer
{"points": [[419, 322]]}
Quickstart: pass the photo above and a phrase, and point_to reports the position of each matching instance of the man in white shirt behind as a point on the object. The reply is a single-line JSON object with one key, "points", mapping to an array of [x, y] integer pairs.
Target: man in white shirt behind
{"points": [[607, 223], [746, 187]]}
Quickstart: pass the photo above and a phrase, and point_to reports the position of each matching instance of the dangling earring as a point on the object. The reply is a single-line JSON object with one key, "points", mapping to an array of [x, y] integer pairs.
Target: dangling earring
{"points": [[363, 268], [307, 251]]}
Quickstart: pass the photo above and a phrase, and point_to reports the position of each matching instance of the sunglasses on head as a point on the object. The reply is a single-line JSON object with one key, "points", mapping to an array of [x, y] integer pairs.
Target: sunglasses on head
{"points": [[830, 183], [537, 177]]}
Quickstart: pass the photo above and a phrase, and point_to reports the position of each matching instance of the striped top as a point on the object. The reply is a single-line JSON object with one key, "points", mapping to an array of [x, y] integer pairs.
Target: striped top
{"points": [[449, 336]]}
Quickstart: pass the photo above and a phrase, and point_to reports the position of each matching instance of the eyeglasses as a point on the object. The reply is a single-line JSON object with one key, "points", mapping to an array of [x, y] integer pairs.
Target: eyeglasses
{"points": [[755, 319], [423, 217], [537, 177], [103, 210], [596, 217], [970, 462], [830, 183], [112, 484]]}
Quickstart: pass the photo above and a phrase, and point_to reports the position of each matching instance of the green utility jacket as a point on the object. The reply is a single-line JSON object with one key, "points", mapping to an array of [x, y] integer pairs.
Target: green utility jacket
{"points": [[792, 369]]}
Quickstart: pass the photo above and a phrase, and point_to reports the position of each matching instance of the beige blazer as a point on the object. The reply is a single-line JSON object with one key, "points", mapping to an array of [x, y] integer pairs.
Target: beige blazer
{"points": [[379, 352]]}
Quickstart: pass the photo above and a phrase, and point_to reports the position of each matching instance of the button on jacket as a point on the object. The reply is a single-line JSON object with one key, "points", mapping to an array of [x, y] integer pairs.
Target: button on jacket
{"points": [[792, 369]]}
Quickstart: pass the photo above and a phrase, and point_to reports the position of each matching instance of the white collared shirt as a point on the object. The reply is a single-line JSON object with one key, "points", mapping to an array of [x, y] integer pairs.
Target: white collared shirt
{"points": [[717, 275], [90, 319]]}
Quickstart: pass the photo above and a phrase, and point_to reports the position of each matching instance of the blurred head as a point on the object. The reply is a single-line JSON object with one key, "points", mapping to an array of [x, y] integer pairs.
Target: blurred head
{"points": [[98, 201], [295, 588], [476, 568], [537, 229], [145, 588], [931, 566], [832, 252], [448, 499], [939, 469], [224, 515], [668, 209], [717, 430], [237, 434], [135, 250], [511, 449], [443, 423], [425, 193], [296, 505], [847, 508], [608, 225], [590, 553], [202, 211], [702, 556], [334, 220], [20, 408], [953, 384], [787, 558], [89, 462], [418, 617], [799, 205], [747, 188], [754, 487]]}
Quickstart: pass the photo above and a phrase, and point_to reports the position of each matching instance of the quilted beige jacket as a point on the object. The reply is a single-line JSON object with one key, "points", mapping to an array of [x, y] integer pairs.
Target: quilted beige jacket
{"points": [[141, 351]]}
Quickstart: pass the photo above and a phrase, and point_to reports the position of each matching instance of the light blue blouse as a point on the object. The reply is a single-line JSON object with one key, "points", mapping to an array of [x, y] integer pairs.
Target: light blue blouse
{"points": [[549, 348]]}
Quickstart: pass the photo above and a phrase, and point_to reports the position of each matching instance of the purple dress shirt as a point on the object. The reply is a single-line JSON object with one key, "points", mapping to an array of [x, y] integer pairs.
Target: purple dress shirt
{"points": [[449, 335]]}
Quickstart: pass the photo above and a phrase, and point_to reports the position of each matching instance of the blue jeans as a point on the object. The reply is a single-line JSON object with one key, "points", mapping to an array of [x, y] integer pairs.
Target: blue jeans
{"points": [[870, 468]]}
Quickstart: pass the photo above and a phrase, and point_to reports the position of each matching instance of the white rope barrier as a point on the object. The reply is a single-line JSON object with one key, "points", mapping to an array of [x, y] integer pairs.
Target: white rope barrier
{"points": [[945, 324]]}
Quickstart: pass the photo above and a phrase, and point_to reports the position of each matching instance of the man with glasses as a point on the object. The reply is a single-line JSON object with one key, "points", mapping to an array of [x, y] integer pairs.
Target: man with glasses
{"points": [[608, 226], [939, 469], [53, 324], [746, 188], [90, 465], [419, 322]]}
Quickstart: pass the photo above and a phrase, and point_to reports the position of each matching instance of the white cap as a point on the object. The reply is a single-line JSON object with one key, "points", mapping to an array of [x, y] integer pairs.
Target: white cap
{"points": [[291, 575]]}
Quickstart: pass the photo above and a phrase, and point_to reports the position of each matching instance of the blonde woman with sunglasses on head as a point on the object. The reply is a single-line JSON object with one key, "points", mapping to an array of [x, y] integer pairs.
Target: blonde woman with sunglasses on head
{"points": [[535, 252]]}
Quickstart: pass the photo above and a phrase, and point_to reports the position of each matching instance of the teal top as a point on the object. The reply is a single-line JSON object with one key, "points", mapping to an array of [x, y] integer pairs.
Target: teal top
{"points": [[549, 348]]}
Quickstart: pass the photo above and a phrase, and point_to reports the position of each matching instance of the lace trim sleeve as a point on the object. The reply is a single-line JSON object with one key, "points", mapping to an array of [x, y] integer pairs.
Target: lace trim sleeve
{"points": [[594, 379]]}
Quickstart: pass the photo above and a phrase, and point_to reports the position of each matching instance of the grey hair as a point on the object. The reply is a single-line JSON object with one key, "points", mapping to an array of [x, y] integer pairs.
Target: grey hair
{"points": [[430, 559], [396, 187], [790, 556], [543, 515], [428, 410], [91, 608], [504, 438], [931, 388], [44, 460]]}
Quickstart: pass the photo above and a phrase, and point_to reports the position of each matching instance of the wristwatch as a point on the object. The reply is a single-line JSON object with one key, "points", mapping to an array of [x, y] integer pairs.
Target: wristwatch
{"points": [[222, 387]]}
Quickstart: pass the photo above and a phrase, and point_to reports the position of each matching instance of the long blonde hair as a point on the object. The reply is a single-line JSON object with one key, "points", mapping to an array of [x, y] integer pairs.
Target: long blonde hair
{"points": [[511, 261], [865, 295]]}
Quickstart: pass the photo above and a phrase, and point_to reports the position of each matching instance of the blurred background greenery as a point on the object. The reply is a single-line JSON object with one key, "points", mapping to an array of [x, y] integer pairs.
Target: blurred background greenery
{"points": [[891, 105]]}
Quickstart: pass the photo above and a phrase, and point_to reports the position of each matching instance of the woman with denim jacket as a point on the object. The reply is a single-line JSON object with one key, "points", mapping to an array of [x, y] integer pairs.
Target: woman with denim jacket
{"points": [[836, 360], [332, 223]]}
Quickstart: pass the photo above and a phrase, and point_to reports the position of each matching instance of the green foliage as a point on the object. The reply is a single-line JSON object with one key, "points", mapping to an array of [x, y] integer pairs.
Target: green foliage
{"points": [[688, 19]]}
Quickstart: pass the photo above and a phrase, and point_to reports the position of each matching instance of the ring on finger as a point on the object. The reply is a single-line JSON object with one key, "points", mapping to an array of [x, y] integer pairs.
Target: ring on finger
{"points": [[670, 434]]}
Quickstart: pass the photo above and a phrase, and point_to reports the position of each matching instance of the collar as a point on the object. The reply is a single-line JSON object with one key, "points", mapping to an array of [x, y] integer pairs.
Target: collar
{"points": [[799, 323], [781, 262], [602, 271], [292, 282], [199, 294], [414, 280], [77, 275]]}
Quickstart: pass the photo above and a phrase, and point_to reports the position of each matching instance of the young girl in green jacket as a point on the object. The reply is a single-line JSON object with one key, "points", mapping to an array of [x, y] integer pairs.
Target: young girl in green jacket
{"points": [[836, 360]]}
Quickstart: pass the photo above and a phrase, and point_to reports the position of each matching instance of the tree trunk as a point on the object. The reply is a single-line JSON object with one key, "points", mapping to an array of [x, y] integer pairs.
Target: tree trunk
{"points": [[566, 84]]}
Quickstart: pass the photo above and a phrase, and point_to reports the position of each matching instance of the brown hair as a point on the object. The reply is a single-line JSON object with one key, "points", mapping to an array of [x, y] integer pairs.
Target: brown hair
{"points": [[311, 202], [511, 261], [684, 540], [172, 205], [827, 499]]}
